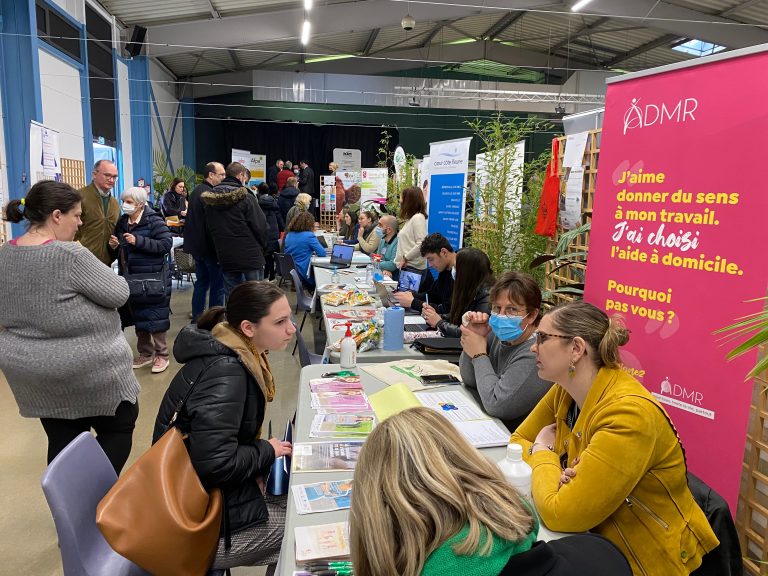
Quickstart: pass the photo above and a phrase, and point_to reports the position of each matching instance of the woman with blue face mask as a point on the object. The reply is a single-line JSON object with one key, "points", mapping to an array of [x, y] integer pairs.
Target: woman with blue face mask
{"points": [[497, 360]]}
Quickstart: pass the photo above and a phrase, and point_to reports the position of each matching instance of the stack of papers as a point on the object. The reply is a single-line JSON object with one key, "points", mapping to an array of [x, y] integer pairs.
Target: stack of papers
{"points": [[340, 401], [323, 542], [325, 456], [341, 426], [322, 496]]}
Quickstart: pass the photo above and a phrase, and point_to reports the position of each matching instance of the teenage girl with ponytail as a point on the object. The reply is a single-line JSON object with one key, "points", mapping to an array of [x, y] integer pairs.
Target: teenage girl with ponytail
{"points": [[604, 454]]}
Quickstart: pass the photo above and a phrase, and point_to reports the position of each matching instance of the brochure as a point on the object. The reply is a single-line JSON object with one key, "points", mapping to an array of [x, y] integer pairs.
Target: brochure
{"points": [[325, 456], [322, 496], [344, 400], [341, 425], [335, 384], [323, 542]]}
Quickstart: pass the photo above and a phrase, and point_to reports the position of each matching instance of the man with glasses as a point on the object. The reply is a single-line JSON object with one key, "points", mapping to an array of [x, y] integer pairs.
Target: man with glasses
{"points": [[198, 243], [100, 211]]}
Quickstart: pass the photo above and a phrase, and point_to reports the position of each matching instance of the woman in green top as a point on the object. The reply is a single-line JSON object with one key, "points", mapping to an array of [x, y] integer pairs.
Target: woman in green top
{"points": [[425, 502]]}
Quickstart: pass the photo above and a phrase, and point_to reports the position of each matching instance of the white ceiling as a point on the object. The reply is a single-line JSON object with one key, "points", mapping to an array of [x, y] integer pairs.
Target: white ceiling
{"points": [[200, 37]]}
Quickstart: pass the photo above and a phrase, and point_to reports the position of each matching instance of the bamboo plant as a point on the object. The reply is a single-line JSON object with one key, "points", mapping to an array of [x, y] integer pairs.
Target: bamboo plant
{"points": [[753, 329]]}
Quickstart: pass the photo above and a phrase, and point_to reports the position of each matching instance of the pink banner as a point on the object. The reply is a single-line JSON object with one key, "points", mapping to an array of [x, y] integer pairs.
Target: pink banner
{"points": [[678, 244]]}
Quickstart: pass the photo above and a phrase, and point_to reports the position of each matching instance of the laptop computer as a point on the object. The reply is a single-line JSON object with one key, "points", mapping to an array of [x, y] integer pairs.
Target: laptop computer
{"points": [[410, 279], [341, 257], [387, 300], [322, 241]]}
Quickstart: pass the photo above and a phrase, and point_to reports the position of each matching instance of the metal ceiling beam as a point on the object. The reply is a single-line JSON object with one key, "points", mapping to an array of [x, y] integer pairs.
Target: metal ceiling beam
{"points": [[502, 24], [681, 21], [371, 39], [214, 13], [586, 29], [666, 39], [281, 25], [235, 59], [738, 8], [433, 32]]}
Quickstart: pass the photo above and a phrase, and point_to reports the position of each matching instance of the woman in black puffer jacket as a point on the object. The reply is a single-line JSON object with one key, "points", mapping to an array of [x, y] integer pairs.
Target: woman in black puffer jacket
{"points": [[142, 241], [225, 412], [275, 224]]}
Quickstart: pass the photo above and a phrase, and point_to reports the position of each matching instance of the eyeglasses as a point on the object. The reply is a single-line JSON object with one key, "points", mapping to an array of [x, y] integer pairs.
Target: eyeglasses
{"points": [[221, 173], [542, 337], [109, 176], [508, 311]]}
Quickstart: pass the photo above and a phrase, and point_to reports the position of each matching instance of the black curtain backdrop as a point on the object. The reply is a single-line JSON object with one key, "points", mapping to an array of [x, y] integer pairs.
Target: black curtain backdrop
{"points": [[214, 140]]}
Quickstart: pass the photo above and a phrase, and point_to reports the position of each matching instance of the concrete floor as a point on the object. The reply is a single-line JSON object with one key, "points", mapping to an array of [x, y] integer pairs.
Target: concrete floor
{"points": [[29, 543]]}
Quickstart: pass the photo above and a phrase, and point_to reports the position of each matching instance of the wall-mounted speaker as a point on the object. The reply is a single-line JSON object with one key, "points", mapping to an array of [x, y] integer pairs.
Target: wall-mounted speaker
{"points": [[135, 45]]}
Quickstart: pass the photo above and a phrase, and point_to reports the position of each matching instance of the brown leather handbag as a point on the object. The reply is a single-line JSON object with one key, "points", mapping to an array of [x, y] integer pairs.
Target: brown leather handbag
{"points": [[158, 514]]}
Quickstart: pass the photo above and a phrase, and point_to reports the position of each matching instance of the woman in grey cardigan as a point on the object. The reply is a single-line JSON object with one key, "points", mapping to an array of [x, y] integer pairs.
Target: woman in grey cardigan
{"points": [[63, 353], [497, 358]]}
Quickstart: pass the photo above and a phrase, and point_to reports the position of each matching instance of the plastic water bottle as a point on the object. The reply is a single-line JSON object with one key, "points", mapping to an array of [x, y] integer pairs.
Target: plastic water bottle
{"points": [[369, 275], [517, 472], [335, 276], [377, 273]]}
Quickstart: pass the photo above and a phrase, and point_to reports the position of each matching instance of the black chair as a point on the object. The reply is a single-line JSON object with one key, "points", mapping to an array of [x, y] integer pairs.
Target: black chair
{"points": [[285, 264]]}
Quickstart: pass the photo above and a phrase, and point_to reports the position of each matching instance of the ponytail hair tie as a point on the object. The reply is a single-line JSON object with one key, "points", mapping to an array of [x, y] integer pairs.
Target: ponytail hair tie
{"points": [[21, 206], [23, 201]]}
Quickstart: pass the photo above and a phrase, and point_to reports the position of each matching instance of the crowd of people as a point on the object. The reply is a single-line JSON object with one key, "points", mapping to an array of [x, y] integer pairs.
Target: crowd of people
{"points": [[605, 456]]}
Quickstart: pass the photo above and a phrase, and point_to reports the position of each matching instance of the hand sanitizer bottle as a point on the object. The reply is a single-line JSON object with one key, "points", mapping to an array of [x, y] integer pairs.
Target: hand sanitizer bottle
{"points": [[348, 349], [517, 472]]}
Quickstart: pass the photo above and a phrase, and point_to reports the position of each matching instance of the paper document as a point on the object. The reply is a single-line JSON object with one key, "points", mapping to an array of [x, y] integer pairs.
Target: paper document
{"points": [[325, 456], [483, 433], [453, 404], [324, 542], [322, 496], [575, 144], [570, 211]]}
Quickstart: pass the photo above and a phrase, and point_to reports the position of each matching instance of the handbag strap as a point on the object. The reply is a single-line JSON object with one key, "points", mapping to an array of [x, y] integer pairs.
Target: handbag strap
{"points": [[180, 405]]}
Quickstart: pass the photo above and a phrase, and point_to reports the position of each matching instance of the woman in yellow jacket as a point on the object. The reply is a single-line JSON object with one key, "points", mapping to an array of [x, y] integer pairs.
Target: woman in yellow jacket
{"points": [[605, 457]]}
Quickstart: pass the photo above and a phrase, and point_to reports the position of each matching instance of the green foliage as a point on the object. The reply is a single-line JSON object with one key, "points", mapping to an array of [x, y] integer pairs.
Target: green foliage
{"points": [[394, 186], [562, 257], [753, 329], [162, 175], [507, 196]]}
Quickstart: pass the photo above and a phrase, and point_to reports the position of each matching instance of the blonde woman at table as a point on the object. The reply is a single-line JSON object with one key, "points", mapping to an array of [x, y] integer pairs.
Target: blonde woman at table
{"points": [[625, 471], [413, 215], [427, 503]]}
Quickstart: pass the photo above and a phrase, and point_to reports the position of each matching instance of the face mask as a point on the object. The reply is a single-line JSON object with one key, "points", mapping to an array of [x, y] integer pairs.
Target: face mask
{"points": [[506, 328], [128, 208], [379, 232], [453, 273]]}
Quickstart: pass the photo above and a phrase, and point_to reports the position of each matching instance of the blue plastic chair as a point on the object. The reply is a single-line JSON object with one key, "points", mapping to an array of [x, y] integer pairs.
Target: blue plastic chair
{"points": [[74, 484]]}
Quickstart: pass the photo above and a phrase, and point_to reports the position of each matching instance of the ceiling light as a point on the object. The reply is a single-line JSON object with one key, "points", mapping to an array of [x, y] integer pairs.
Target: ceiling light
{"points": [[579, 5], [305, 33], [307, 5]]}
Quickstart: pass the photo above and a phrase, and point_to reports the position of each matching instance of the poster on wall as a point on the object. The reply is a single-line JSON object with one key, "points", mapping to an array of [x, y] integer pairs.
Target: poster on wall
{"points": [[677, 244], [449, 161], [348, 159], [349, 178], [373, 183], [328, 193], [258, 167], [44, 154]]}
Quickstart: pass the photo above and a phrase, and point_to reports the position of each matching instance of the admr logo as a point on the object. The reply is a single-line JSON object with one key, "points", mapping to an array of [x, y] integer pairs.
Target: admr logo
{"points": [[685, 399], [638, 116]]}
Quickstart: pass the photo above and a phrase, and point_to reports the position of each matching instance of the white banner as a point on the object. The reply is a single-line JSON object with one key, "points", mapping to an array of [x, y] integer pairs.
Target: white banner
{"points": [[373, 184], [514, 191], [448, 163], [44, 154], [258, 167], [241, 156], [424, 173], [348, 159]]}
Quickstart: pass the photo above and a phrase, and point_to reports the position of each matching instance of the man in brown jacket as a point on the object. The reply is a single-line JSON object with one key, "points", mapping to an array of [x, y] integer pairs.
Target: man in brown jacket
{"points": [[100, 211]]}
